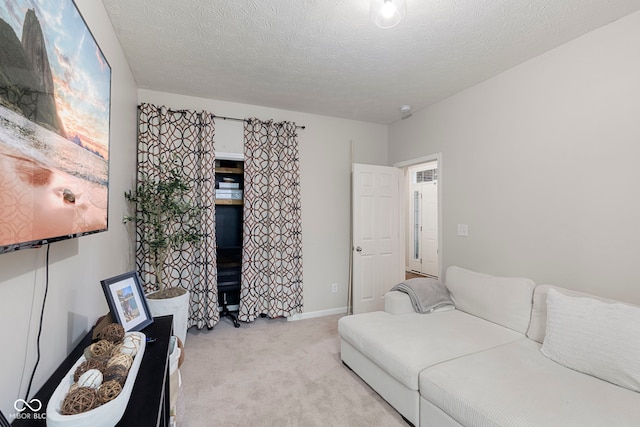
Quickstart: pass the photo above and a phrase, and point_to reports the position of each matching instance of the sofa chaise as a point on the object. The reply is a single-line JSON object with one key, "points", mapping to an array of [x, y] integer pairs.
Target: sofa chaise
{"points": [[510, 354]]}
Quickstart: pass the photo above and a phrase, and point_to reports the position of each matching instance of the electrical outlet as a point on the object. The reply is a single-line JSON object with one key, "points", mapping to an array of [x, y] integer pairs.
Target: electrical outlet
{"points": [[334, 288]]}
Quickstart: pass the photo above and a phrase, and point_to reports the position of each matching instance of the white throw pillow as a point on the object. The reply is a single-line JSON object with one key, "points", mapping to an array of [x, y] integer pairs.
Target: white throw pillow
{"points": [[538, 323], [593, 337]]}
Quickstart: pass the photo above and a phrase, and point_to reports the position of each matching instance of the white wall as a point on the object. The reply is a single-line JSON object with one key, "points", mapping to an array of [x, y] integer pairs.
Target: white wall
{"points": [[75, 299], [542, 163], [325, 179]]}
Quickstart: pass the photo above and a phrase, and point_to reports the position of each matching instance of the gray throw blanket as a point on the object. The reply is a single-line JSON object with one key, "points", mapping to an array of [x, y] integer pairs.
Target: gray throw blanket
{"points": [[426, 294]]}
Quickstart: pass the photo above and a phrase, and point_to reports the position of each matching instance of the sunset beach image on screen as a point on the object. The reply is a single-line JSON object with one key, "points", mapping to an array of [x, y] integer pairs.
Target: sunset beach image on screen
{"points": [[55, 88]]}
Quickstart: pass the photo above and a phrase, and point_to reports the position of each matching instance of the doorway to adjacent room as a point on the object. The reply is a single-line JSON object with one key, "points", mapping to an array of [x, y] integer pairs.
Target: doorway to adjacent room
{"points": [[422, 255], [422, 215]]}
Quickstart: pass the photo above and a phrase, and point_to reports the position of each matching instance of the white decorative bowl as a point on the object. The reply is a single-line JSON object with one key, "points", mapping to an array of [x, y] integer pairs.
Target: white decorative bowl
{"points": [[106, 415]]}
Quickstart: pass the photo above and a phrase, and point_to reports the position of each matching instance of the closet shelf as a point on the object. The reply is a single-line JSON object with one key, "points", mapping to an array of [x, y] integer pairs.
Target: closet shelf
{"points": [[229, 170], [228, 202]]}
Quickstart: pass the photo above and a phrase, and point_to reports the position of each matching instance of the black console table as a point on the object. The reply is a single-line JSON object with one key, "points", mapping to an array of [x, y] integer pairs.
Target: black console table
{"points": [[149, 401]]}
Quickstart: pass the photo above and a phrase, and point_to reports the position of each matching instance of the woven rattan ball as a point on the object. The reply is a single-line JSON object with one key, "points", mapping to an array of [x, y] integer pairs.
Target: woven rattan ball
{"points": [[108, 391], [116, 349], [116, 373], [121, 359], [80, 400], [86, 365], [100, 350], [113, 332]]}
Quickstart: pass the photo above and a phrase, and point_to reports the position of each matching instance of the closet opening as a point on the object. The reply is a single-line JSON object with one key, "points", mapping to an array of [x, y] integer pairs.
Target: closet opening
{"points": [[229, 189]]}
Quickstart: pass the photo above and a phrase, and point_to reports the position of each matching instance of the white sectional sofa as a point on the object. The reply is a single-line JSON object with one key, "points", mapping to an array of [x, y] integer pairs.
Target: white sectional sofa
{"points": [[493, 361]]}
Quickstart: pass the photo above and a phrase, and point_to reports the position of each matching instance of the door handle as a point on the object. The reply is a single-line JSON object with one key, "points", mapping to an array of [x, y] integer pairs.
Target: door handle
{"points": [[358, 249]]}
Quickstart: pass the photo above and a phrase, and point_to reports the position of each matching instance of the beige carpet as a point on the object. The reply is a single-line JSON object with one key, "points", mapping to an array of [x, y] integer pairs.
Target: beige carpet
{"points": [[275, 373]]}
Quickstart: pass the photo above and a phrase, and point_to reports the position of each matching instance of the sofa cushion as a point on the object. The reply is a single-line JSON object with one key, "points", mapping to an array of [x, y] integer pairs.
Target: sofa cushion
{"points": [[403, 345], [594, 337], [502, 300], [515, 385]]}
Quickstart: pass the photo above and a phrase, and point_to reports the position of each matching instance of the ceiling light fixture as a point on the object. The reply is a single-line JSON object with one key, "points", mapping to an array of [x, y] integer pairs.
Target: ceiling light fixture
{"points": [[387, 13]]}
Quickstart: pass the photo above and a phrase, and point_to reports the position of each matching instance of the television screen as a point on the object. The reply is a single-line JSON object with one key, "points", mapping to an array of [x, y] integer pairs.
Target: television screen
{"points": [[55, 88]]}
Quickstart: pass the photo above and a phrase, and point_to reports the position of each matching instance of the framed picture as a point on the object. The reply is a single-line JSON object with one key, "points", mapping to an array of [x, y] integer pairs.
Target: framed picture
{"points": [[55, 107], [126, 301]]}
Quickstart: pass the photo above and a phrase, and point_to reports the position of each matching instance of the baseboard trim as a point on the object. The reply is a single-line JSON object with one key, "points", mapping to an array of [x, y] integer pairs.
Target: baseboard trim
{"points": [[320, 313]]}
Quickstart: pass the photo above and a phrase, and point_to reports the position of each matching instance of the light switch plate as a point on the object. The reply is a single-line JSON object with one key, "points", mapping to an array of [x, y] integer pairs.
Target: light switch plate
{"points": [[463, 230]]}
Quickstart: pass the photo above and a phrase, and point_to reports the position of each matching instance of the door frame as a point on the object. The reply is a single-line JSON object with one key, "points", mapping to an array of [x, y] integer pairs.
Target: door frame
{"points": [[404, 166]]}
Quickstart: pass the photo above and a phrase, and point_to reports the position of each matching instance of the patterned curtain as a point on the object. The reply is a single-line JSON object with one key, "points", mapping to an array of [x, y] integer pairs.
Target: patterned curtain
{"points": [[272, 233], [166, 136]]}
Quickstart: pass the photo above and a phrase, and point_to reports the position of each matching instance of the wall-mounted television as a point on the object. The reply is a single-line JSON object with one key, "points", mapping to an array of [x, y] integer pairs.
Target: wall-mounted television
{"points": [[55, 95]]}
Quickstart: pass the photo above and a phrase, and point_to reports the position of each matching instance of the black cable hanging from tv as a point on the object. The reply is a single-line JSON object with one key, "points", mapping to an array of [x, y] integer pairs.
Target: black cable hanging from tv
{"points": [[44, 301]]}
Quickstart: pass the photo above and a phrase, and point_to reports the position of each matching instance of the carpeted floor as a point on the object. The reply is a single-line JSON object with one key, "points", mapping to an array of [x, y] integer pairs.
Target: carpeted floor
{"points": [[275, 373]]}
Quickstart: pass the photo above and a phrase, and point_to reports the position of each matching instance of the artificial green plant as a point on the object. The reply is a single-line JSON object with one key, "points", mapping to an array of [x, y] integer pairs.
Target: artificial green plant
{"points": [[165, 218]]}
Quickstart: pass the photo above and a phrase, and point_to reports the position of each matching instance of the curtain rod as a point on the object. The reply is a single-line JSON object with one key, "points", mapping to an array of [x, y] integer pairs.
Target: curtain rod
{"points": [[234, 119]]}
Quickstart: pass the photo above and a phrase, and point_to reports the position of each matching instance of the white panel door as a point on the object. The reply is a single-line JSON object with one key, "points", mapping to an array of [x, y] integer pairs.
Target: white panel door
{"points": [[429, 218], [377, 261]]}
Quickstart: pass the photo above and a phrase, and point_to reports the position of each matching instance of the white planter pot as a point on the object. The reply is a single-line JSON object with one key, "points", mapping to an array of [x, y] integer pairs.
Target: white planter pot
{"points": [[178, 307]]}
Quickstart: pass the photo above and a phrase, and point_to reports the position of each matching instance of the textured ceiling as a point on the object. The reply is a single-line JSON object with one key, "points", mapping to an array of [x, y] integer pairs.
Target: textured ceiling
{"points": [[326, 57]]}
